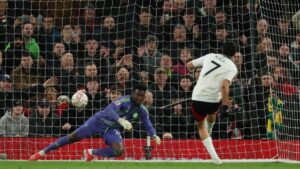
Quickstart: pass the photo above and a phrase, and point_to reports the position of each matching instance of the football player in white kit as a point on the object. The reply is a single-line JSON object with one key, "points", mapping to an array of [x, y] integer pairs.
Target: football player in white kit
{"points": [[212, 90]]}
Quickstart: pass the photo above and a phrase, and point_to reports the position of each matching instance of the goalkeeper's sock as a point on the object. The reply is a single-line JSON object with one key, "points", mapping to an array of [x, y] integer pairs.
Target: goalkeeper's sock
{"points": [[105, 152], [210, 149], [42, 153], [58, 143], [209, 126]]}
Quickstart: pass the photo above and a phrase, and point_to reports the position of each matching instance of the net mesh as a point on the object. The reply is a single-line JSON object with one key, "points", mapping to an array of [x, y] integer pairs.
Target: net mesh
{"points": [[51, 49]]}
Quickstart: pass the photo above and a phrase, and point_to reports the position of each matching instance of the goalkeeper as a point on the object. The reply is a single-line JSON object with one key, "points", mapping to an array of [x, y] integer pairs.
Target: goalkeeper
{"points": [[107, 123]]}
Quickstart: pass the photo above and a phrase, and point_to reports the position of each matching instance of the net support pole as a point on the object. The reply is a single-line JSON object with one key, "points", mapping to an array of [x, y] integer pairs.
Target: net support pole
{"points": [[252, 13], [252, 33], [148, 148]]}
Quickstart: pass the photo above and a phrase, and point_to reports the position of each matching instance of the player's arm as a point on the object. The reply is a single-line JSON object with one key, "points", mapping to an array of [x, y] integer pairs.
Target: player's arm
{"points": [[196, 62], [190, 65], [225, 92], [148, 125], [225, 86]]}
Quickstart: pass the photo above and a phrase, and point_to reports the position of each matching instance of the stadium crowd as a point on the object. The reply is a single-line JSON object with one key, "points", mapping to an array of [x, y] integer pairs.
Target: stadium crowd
{"points": [[109, 46]]}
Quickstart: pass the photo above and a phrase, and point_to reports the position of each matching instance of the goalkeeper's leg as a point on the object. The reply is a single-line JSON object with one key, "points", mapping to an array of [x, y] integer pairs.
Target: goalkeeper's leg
{"points": [[82, 132], [71, 138], [115, 149]]}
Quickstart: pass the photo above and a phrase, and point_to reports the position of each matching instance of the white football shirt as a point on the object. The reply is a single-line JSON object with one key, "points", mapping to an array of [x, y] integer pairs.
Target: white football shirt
{"points": [[215, 69]]}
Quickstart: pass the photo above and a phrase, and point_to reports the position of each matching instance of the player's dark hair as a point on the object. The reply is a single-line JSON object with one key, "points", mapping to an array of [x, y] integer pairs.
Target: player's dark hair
{"points": [[229, 48], [140, 87]]}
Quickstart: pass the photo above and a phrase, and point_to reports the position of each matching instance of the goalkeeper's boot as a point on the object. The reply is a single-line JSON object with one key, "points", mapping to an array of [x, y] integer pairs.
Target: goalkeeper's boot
{"points": [[35, 157], [87, 155]]}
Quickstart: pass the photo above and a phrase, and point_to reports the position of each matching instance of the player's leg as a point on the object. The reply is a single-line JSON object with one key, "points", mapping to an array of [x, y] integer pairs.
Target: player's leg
{"points": [[115, 149], [200, 110], [83, 131], [207, 142], [210, 121]]}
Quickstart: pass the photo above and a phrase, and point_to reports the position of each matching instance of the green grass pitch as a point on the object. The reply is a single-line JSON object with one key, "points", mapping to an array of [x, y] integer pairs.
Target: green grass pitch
{"points": [[140, 165]]}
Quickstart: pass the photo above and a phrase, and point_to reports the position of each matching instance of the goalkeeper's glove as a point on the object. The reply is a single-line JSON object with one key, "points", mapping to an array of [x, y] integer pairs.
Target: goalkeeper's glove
{"points": [[125, 124], [156, 139]]}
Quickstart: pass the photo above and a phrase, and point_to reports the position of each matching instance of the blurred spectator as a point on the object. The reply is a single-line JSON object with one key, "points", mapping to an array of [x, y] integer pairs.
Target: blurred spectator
{"points": [[197, 72], [161, 88], [2, 60], [56, 101], [221, 35], [97, 100], [151, 56], [162, 91], [43, 121], [286, 62], [35, 26], [48, 34], [184, 57], [258, 116], [108, 31], [66, 33], [14, 123], [208, 9], [30, 43], [221, 18], [242, 21], [90, 70], [243, 72], [169, 21], [282, 33], [262, 28], [67, 74], [163, 21], [296, 20], [179, 7], [54, 57], [144, 78], [114, 92], [178, 121], [8, 93], [166, 63], [88, 22], [13, 53], [186, 86], [92, 54], [283, 83], [295, 50], [142, 29], [3, 24], [264, 51], [25, 75], [193, 30], [72, 40], [179, 40], [124, 79]]}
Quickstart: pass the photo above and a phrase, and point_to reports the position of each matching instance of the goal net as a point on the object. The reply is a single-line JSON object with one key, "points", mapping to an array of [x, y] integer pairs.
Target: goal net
{"points": [[51, 49]]}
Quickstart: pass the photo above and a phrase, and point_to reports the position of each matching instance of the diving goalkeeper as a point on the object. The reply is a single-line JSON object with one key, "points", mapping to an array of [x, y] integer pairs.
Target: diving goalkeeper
{"points": [[107, 123]]}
